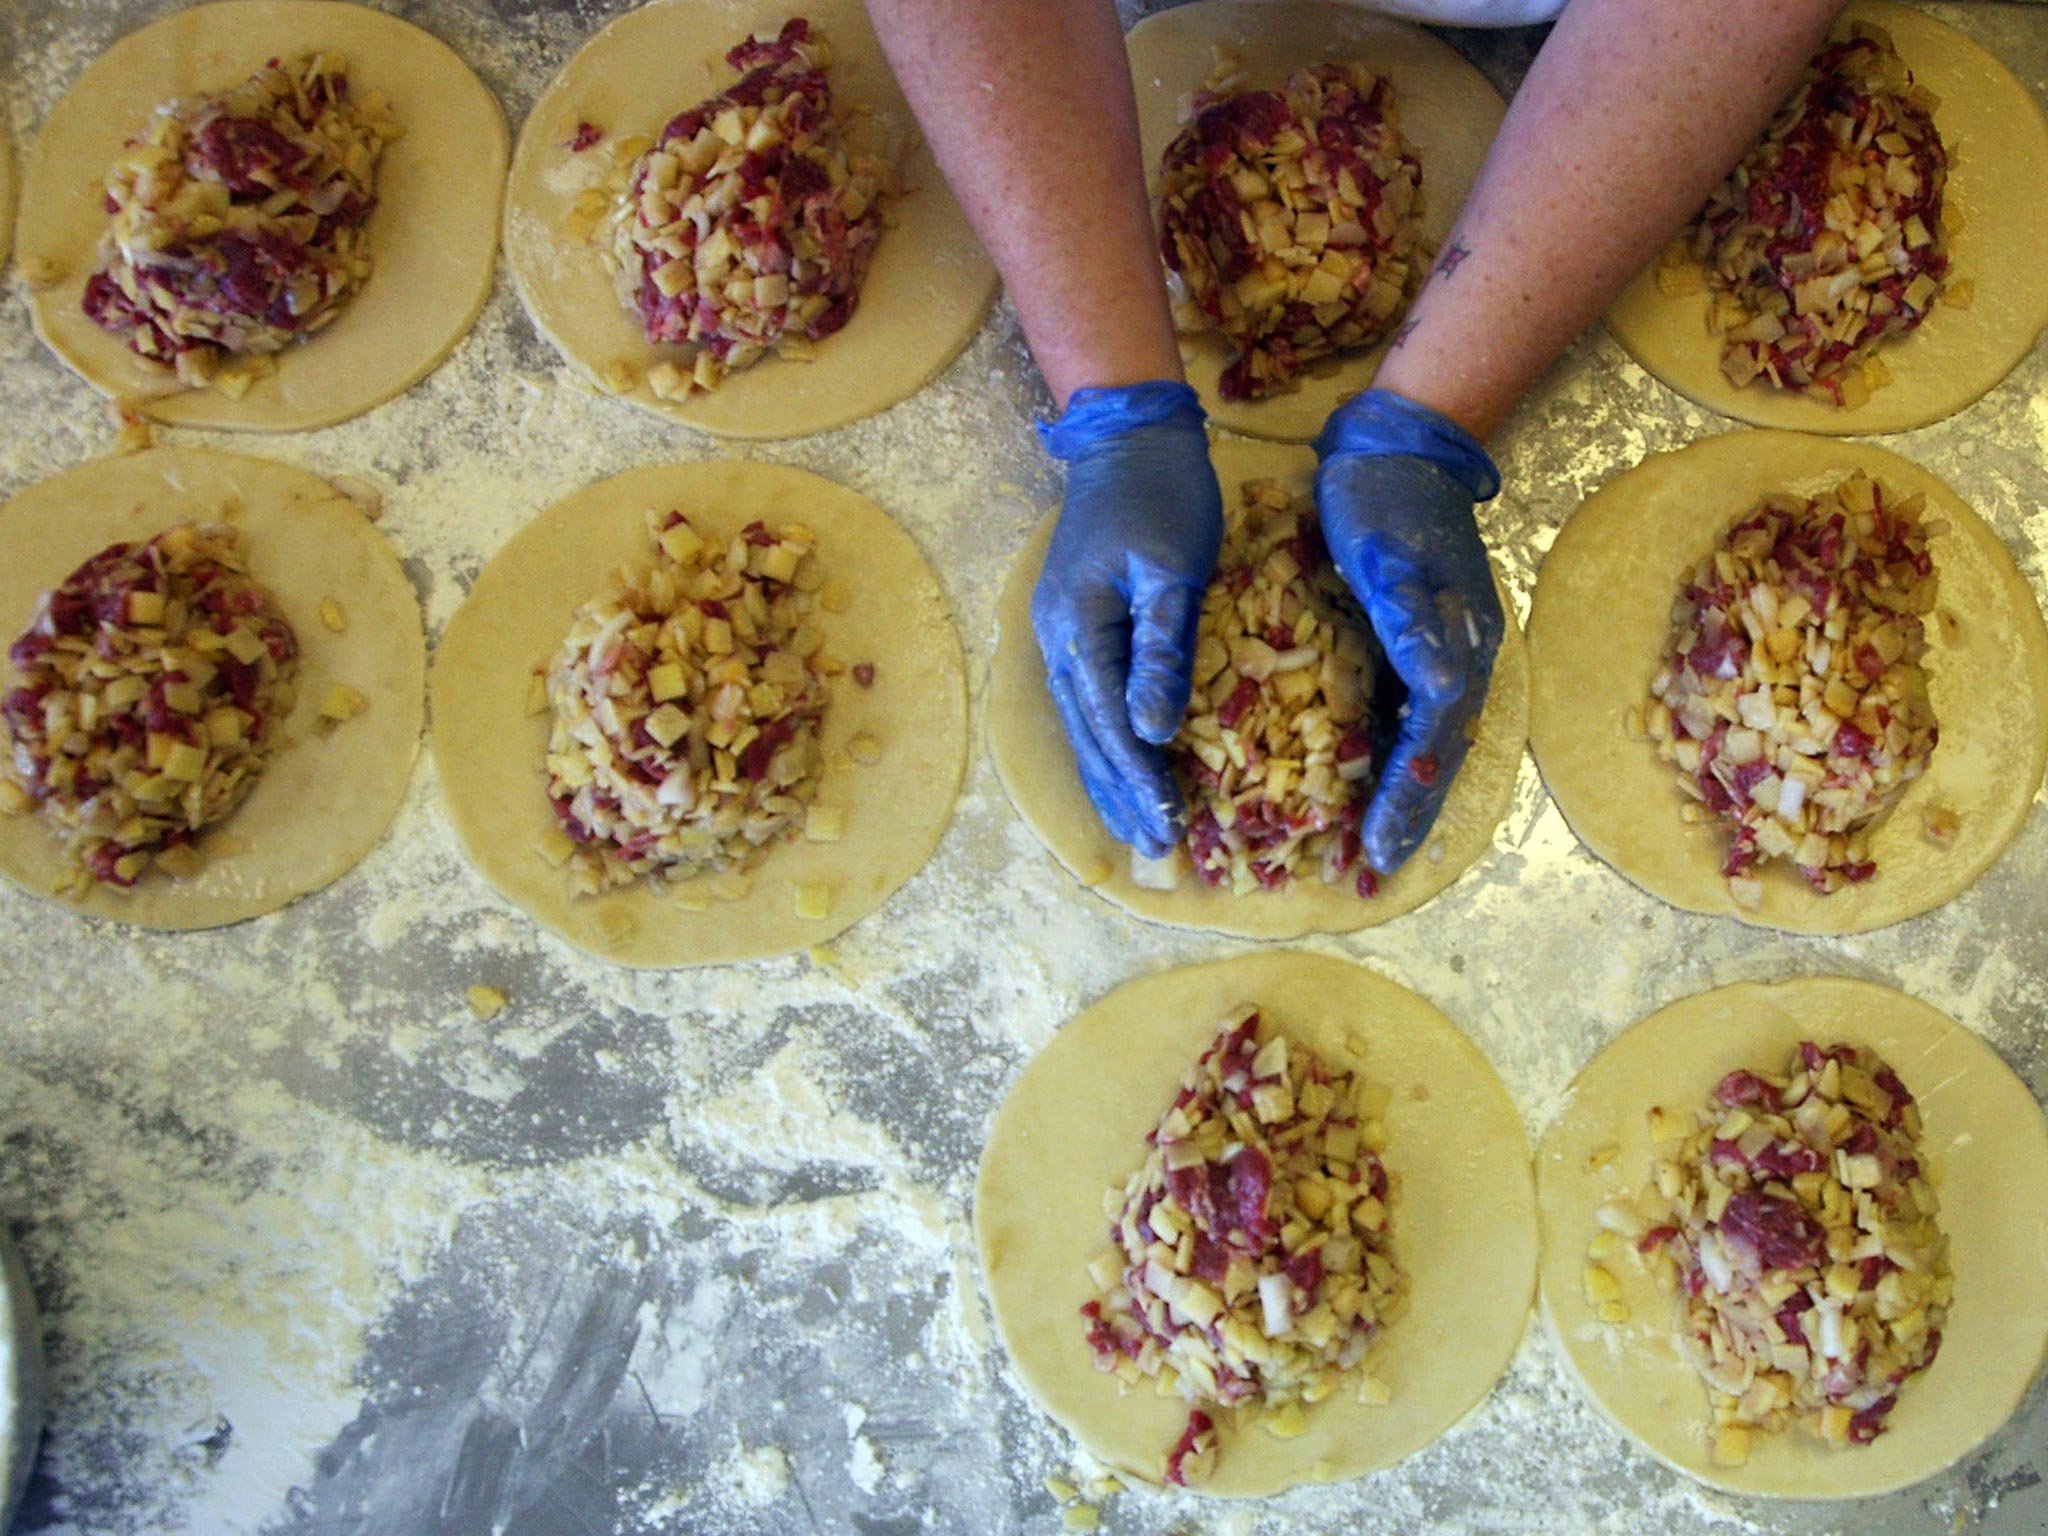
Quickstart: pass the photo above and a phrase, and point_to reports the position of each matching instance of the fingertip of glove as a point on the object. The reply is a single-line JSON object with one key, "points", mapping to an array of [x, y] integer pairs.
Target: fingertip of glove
{"points": [[1387, 845], [1150, 847], [1109, 806], [1144, 815], [1161, 815], [1155, 716], [1396, 823]]}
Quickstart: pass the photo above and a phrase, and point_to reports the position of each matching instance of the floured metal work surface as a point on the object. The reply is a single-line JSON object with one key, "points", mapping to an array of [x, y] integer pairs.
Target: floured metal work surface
{"points": [[320, 1251]]}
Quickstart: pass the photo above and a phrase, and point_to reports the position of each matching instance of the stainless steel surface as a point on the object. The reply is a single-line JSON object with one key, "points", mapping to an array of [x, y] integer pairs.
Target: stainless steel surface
{"points": [[573, 1271]]}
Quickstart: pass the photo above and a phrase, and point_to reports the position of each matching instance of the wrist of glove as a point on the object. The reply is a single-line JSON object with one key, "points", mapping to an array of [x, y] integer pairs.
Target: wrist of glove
{"points": [[1395, 490], [1118, 599]]}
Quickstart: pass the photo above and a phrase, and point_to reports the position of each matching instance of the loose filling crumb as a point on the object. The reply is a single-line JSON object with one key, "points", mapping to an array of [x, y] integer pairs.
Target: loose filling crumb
{"points": [[1793, 1220], [1249, 1265], [749, 224], [1829, 239], [1275, 753], [1292, 221], [155, 681], [686, 704], [238, 223], [1794, 700]]}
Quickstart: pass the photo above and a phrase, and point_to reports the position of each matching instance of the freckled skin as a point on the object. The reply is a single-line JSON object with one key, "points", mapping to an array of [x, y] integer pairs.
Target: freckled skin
{"points": [[1631, 113]]}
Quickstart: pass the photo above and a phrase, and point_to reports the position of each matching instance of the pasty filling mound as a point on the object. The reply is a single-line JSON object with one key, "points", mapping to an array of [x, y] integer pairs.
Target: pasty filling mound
{"points": [[1275, 753], [1793, 700], [686, 705], [237, 223], [155, 682], [1249, 1265], [1830, 238], [1292, 221], [748, 225], [1793, 1221]]}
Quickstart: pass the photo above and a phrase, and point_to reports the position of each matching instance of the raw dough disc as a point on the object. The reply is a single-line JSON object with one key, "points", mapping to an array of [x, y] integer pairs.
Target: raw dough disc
{"points": [[491, 751], [926, 291], [1464, 1221], [23, 1385], [1037, 768], [1447, 111], [323, 801], [1999, 185], [1601, 622], [1989, 1149], [433, 237]]}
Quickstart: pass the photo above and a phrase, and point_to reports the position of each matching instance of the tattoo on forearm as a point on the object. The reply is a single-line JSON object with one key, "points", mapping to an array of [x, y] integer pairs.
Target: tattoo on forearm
{"points": [[1401, 336], [1452, 259]]}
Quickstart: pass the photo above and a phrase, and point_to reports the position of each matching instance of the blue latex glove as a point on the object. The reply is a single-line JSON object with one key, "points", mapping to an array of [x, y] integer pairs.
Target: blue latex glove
{"points": [[1395, 491], [1116, 606]]}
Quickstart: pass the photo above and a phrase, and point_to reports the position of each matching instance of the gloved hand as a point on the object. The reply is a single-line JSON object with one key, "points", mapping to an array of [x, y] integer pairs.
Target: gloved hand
{"points": [[1395, 489], [1116, 605]]}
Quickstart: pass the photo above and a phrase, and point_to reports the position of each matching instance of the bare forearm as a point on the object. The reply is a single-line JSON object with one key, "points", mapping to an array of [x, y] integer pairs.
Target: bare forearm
{"points": [[1633, 111], [1029, 109]]}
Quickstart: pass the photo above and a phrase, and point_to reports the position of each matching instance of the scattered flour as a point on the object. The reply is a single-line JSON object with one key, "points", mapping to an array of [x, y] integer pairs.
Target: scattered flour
{"points": [[864, 1466], [264, 1177], [757, 1476]]}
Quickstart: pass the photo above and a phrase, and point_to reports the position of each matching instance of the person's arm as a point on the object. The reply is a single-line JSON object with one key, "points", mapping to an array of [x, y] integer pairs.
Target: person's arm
{"points": [[1029, 108], [1632, 112]]}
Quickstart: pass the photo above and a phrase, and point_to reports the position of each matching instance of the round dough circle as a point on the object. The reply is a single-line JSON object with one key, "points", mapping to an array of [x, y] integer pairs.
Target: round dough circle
{"points": [[1602, 619], [1074, 1125], [323, 801], [434, 235], [1037, 768], [490, 750], [926, 291], [1448, 112], [23, 1384], [1999, 186], [1989, 1149]]}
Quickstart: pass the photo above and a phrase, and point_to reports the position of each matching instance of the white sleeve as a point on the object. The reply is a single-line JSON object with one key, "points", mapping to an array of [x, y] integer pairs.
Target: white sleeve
{"points": [[1472, 13]]}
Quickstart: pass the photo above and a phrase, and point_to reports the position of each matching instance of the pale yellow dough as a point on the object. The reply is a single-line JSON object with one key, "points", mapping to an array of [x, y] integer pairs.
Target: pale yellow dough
{"points": [[1445, 107], [1998, 184], [1988, 1150], [324, 800], [926, 291], [1074, 1127], [491, 750], [1037, 768], [1600, 625], [433, 237]]}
